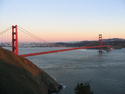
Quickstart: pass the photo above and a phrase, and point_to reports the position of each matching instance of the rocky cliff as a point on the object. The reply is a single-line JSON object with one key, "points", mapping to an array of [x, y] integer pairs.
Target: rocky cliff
{"points": [[20, 76]]}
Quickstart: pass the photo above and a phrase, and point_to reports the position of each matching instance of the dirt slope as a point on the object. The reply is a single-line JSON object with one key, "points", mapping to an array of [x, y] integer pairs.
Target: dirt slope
{"points": [[20, 76]]}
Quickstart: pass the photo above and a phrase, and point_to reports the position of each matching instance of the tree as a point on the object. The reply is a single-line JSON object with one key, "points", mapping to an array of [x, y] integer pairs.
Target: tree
{"points": [[83, 88]]}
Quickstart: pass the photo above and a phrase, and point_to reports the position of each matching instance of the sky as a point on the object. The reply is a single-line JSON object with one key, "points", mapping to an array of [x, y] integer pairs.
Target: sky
{"points": [[65, 20]]}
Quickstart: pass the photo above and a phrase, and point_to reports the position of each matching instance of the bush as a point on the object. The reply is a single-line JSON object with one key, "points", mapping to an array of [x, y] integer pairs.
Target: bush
{"points": [[83, 88]]}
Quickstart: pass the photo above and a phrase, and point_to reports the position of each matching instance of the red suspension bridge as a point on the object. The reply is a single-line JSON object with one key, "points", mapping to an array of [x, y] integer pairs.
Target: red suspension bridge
{"points": [[15, 43]]}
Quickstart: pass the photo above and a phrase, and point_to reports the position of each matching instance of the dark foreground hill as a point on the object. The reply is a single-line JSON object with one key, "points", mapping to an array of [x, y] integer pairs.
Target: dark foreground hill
{"points": [[20, 76]]}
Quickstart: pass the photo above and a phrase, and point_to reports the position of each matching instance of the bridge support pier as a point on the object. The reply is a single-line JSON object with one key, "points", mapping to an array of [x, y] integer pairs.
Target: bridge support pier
{"points": [[15, 48]]}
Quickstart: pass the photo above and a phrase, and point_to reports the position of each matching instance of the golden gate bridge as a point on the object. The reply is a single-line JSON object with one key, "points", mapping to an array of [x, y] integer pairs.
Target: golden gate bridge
{"points": [[15, 43]]}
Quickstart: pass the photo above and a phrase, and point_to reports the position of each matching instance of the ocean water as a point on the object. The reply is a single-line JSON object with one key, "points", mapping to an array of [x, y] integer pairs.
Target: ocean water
{"points": [[105, 73]]}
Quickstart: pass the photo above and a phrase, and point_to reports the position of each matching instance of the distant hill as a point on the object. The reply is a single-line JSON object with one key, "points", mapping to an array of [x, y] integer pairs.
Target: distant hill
{"points": [[115, 42]]}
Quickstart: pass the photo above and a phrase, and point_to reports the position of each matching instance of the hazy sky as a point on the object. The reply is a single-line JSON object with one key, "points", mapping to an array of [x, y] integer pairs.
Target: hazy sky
{"points": [[66, 20]]}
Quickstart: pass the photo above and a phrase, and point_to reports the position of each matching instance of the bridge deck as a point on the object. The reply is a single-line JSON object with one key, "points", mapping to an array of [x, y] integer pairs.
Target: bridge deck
{"points": [[63, 50]]}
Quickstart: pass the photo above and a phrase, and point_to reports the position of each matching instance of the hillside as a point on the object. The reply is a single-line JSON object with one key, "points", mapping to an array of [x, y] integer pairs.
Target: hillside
{"points": [[115, 42], [20, 76]]}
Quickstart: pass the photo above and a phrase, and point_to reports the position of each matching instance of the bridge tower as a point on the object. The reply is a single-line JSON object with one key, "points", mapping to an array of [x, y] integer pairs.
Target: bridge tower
{"points": [[100, 39], [15, 48], [100, 43]]}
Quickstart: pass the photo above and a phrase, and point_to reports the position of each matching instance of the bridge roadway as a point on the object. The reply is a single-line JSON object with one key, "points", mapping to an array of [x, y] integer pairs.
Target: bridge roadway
{"points": [[63, 50]]}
